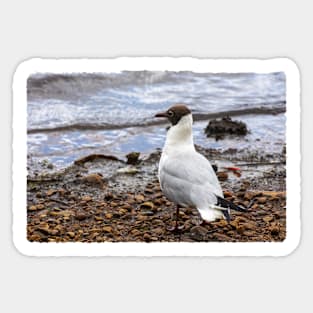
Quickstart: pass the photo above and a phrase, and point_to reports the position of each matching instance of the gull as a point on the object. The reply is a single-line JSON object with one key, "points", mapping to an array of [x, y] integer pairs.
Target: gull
{"points": [[186, 177]]}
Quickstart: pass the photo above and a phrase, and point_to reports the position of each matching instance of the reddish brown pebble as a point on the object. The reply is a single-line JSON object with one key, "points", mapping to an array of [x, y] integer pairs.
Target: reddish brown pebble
{"points": [[222, 176], [262, 200]]}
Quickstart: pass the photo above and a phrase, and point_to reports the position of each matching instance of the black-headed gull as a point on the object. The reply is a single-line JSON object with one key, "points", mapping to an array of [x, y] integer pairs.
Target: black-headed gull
{"points": [[186, 176]]}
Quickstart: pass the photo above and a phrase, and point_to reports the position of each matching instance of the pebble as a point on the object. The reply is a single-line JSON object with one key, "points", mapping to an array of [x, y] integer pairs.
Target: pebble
{"points": [[198, 233], [139, 198], [133, 158], [71, 234], [50, 192], [86, 198], [108, 215], [107, 229], [146, 237], [275, 230], [268, 218], [145, 215], [221, 237], [36, 207], [147, 205], [262, 200], [93, 179], [222, 176], [81, 216]]}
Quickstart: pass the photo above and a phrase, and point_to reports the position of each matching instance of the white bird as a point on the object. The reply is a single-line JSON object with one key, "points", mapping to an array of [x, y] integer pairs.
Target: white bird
{"points": [[186, 176]]}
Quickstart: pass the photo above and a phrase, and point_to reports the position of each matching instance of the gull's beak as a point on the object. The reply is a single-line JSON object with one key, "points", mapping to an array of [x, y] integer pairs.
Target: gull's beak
{"points": [[161, 114]]}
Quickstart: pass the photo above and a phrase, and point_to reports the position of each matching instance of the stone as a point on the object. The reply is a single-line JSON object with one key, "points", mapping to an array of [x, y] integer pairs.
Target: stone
{"points": [[221, 237], [222, 176], [81, 216], [146, 237], [139, 198], [93, 179], [50, 192], [108, 215], [133, 158], [107, 229], [198, 233], [228, 194], [36, 207], [86, 198], [71, 234], [147, 205], [268, 218], [262, 200]]}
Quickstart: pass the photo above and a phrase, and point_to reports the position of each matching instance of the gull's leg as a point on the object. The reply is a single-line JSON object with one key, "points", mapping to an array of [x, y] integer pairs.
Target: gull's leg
{"points": [[176, 227]]}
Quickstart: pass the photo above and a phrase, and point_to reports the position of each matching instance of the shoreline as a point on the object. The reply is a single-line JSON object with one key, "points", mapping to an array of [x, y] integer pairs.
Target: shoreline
{"points": [[196, 117]]}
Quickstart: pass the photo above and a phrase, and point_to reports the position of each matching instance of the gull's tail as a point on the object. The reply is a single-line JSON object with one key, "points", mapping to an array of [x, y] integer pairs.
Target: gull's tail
{"points": [[226, 206]]}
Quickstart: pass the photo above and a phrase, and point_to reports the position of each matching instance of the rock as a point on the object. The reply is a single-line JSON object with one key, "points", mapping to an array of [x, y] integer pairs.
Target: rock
{"points": [[86, 198], [222, 223], [225, 126], [50, 192], [157, 195], [146, 237], [133, 158], [93, 179], [109, 196], [81, 216], [147, 213], [198, 233], [148, 190], [234, 223], [240, 229], [275, 230], [71, 234], [127, 170], [107, 229], [222, 176], [139, 198], [249, 225], [158, 231], [275, 194], [98, 218], [36, 207], [147, 205], [249, 195], [135, 232], [262, 200], [44, 230], [249, 233], [268, 219], [122, 211], [221, 237], [108, 215], [127, 207], [93, 157], [228, 194]]}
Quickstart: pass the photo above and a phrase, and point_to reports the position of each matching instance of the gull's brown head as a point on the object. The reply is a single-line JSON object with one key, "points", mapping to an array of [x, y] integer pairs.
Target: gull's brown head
{"points": [[175, 113]]}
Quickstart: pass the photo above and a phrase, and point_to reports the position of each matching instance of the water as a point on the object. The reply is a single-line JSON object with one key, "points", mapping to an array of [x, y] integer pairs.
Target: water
{"points": [[72, 115]]}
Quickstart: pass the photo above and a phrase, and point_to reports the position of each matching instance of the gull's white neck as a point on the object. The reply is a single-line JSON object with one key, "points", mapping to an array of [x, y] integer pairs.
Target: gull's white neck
{"points": [[180, 135]]}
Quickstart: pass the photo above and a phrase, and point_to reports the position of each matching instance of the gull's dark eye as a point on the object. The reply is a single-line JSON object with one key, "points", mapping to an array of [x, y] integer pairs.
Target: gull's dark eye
{"points": [[170, 113]]}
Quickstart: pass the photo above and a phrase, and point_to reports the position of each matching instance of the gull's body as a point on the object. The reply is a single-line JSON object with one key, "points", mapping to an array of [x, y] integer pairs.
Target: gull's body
{"points": [[186, 176]]}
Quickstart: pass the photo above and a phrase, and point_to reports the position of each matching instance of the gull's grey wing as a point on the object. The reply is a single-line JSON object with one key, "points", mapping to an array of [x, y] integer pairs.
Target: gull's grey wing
{"points": [[192, 168]]}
